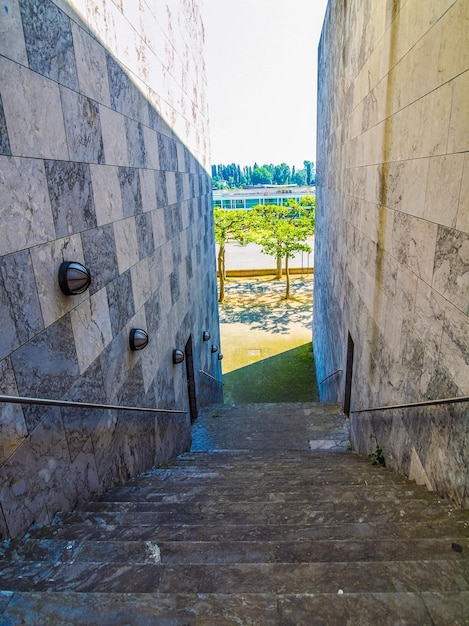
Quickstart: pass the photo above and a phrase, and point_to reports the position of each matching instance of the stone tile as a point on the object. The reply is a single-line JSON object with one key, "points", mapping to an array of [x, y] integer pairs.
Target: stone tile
{"points": [[150, 137], [135, 143], [37, 476], [12, 43], [458, 140], [91, 328], [106, 193], [144, 226], [33, 113], [443, 189], [20, 287], [436, 112], [159, 230], [82, 127], [91, 66], [4, 141], [46, 366], [121, 304], [429, 314], [131, 192], [46, 260], [25, 210], [447, 608], [71, 197], [99, 250], [9, 340], [46, 28], [413, 244], [125, 234], [147, 186], [453, 58], [451, 269], [454, 352], [463, 212], [114, 137], [125, 97], [12, 424], [161, 192], [141, 286]]}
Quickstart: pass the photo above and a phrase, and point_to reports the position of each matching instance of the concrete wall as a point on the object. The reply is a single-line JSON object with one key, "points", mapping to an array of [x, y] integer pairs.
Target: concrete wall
{"points": [[392, 233], [103, 160]]}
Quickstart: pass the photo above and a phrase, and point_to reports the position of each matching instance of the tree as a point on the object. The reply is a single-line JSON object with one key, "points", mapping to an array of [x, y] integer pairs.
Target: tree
{"points": [[281, 174], [282, 231], [310, 177], [261, 176], [229, 224]]}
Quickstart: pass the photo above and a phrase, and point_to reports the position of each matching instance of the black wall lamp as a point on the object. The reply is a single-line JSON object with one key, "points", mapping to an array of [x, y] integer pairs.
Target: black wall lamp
{"points": [[214, 348], [74, 278], [206, 335], [178, 356], [138, 339]]}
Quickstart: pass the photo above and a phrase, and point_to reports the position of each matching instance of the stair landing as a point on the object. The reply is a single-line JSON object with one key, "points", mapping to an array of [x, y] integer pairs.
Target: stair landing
{"points": [[269, 520]]}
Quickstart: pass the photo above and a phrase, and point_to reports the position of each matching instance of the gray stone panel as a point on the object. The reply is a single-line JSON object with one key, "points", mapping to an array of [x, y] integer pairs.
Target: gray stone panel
{"points": [[99, 250], [451, 269], [135, 143], [144, 226], [46, 28], [71, 196], [4, 141], [131, 192], [82, 127], [161, 192], [12, 424], [46, 367]]}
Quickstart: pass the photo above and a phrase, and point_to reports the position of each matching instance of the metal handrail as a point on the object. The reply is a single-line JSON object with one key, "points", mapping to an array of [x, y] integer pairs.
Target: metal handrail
{"points": [[210, 376], [330, 376], [80, 405], [414, 404]]}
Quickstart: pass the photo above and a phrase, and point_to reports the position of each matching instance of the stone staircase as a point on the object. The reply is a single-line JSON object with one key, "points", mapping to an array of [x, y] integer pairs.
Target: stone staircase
{"points": [[268, 520]]}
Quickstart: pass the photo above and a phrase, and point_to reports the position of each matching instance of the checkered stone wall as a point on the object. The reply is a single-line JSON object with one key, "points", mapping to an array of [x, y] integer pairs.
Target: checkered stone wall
{"points": [[103, 160]]}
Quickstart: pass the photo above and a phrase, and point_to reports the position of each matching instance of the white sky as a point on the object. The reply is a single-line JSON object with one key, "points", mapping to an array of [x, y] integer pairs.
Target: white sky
{"points": [[261, 58]]}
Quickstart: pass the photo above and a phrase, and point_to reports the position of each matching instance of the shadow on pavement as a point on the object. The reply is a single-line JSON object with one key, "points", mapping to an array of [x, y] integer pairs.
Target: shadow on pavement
{"points": [[286, 377]]}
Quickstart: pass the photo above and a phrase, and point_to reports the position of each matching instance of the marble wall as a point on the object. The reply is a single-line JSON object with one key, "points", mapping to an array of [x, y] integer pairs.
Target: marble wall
{"points": [[392, 233], [103, 160]]}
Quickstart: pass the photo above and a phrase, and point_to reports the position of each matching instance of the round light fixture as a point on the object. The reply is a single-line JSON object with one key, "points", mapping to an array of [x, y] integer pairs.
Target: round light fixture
{"points": [[74, 278], [206, 335], [178, 356], [138, 339], [214, 348], [220, 356]]}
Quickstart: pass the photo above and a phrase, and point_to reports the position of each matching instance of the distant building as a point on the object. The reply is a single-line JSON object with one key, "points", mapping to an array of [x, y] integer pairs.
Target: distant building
{"points": [[269, 194]]}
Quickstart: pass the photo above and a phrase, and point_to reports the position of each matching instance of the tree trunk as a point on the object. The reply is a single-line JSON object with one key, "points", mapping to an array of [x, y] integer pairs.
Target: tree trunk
{"points": [[279, 267], [287, 274], [221, 273]]}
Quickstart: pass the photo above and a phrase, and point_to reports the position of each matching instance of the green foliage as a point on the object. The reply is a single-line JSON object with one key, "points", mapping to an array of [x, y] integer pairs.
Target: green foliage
{"points": [[377, 456], [232, 175]]}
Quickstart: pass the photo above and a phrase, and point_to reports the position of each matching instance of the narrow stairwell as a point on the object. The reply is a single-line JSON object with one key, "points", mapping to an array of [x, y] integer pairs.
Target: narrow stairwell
{"points": [[268, 520]]}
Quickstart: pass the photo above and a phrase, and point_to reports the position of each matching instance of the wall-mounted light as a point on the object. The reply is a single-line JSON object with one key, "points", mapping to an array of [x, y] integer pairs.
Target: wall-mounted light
{"points": [[178, 356], [214, 348], [220, 356], [138, 339], [206, 335], [74, 278]]}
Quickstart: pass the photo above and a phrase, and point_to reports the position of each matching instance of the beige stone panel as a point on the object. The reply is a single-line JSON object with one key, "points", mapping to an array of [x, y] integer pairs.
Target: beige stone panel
{"points": [[454, 353], [171, 187], [126, 243], [46, 260], [421, 248], [100, 15], [406, 290], [443, 189], [454, 48], [33, 113], [458, 140], [141, 286], [114, 137], [462, 222], [25, 210], [107, 194], [91, 66], [150, 138], [413, 187], [11, 34], [410, 121], [91, 326], [436, 111], [429, 316], [148, 189], [393, 320]]}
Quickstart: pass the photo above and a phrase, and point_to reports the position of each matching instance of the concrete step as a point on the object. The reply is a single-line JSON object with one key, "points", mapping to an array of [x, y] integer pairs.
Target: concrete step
{"points": [[275, 533]]}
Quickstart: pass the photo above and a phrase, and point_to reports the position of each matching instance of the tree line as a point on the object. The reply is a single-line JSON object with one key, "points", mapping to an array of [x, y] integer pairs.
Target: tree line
{"points": [[233, 175], [280, 231]]}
